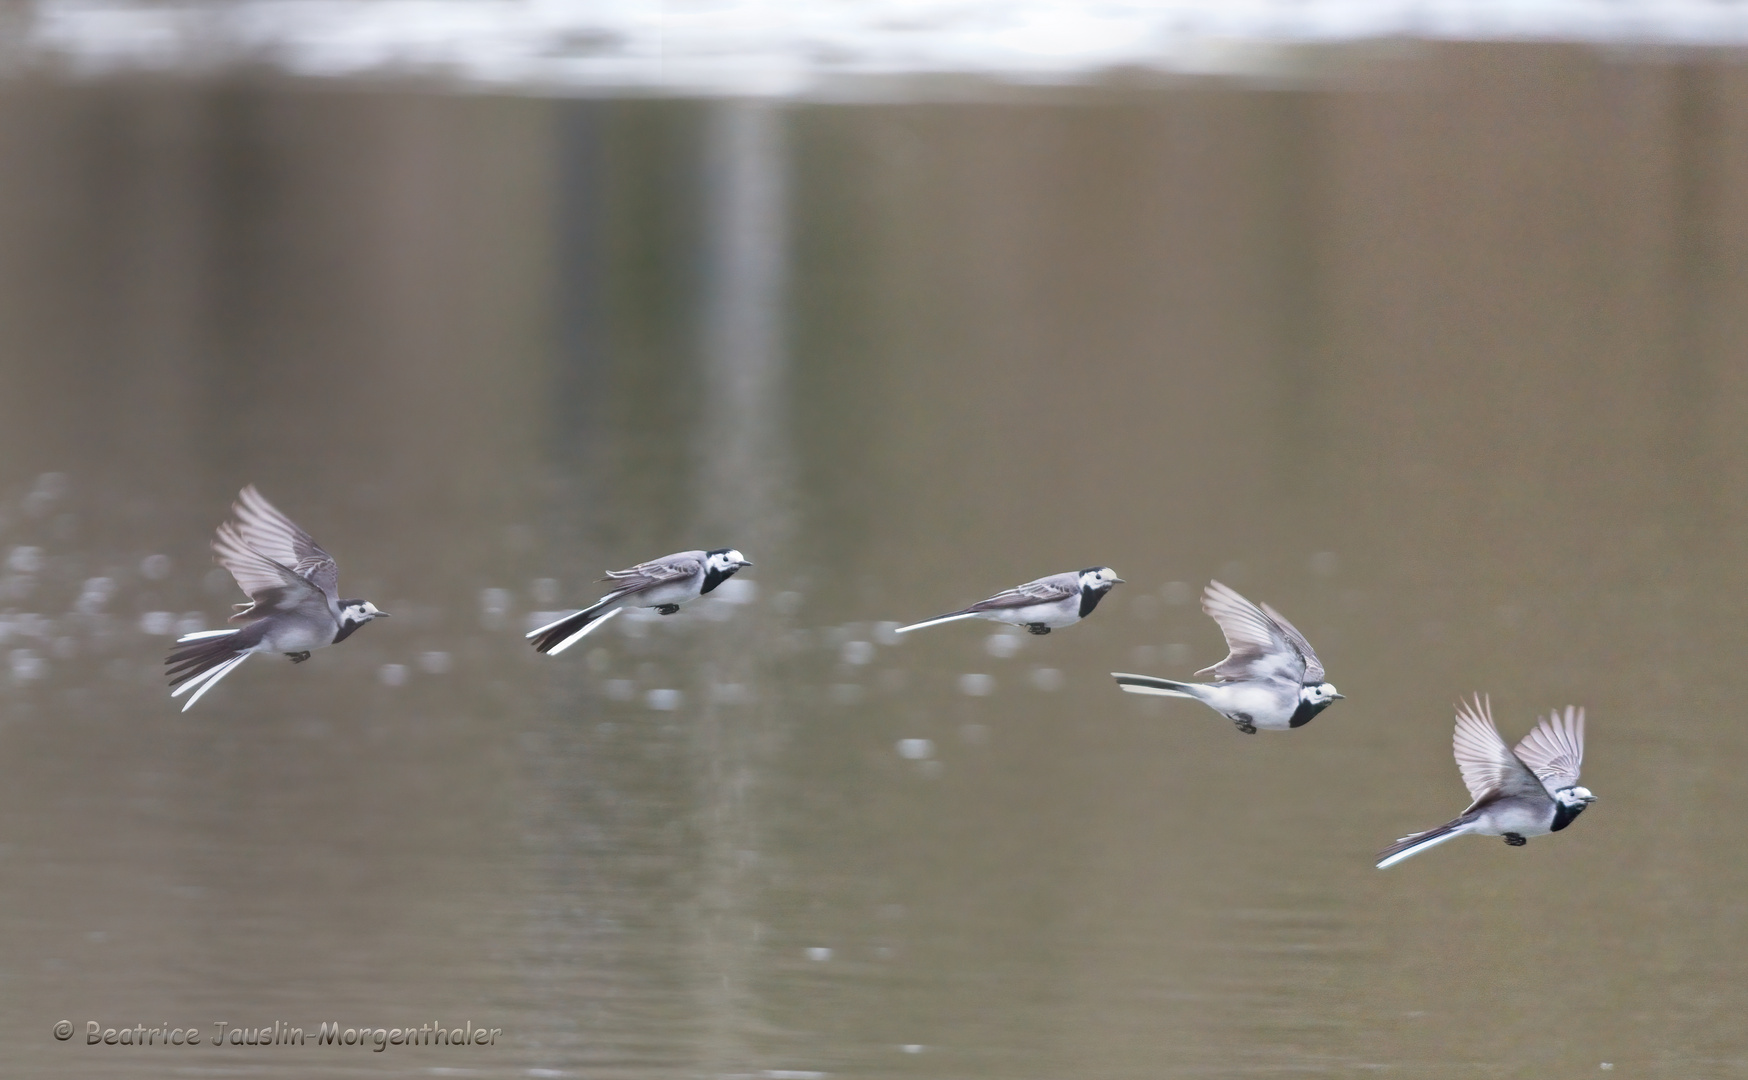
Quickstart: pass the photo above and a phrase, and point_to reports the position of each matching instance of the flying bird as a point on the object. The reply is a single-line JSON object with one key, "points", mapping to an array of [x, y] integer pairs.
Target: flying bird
{"points": [[663, 584], [1530, 791], [1270, 677], [1040, 606], [294, 604]]}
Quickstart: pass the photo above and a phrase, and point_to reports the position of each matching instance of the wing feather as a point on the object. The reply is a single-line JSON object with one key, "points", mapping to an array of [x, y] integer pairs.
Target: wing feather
{"points": [[270, 585], [1313, 666], [1257, 647], [263, 527], [647, 575], [1045, 590], [1554, 750], [1489, 768]]}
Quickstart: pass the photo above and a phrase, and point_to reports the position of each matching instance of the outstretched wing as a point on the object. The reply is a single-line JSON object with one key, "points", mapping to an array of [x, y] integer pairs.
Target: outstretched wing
{"points": [[261, 527], [1045, 590], [1489, 768], [1256, 645], [1554, 750], [648, 575], [1313, 666]]}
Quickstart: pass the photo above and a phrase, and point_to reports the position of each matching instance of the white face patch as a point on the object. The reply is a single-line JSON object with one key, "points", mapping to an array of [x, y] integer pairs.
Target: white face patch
{"points": [[1318, 694], [728, 560], [1574, 796], [1102, 578]]}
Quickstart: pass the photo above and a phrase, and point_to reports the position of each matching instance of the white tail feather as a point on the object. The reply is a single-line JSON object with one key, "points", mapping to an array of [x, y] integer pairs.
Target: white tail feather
{"points": [[1433, 838], [567, 618], [580, 634], [936, 622], [202, 635], [209, 680], [1148, 687]]}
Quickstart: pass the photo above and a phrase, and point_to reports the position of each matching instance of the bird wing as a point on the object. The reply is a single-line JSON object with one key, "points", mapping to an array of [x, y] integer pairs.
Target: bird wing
{"points": [[1313, 666], [1554, 750], [660, 571], [1489, 768], [262, 527], [1043, 591], [272, 586], [1256, 645]]}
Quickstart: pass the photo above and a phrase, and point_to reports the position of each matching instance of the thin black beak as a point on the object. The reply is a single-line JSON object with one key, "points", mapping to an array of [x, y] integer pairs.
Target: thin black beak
{"points": [[380, 615], [1338, 697]]}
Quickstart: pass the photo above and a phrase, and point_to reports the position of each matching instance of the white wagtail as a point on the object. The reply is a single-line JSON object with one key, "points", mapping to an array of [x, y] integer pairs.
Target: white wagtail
{"points": [[294, 602], [1530, 791], [663, 584], [1270, 679], [1039, 606]]}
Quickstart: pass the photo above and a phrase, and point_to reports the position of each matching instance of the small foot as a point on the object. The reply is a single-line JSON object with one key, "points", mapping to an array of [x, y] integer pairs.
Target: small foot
{"points": [[667, 609], [299, 657], [1243, 723], [1037, 628], [1515, 840]]}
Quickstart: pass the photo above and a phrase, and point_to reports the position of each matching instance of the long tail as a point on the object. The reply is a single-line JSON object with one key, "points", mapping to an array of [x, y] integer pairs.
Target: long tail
{"points": [[1415, 843], [1147, 684], [554, 638], [199, 661], [936, 621]]}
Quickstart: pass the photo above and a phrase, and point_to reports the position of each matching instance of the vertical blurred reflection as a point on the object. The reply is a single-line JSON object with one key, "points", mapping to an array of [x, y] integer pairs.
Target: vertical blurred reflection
{"points": [[743, 475]]}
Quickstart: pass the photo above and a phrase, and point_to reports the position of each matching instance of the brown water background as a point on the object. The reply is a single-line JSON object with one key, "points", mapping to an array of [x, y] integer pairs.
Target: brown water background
{"points": [[1441, 351]]}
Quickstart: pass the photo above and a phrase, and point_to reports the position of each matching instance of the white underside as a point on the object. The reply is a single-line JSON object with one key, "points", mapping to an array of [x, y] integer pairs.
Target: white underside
{"points": [[1267, 706], [1056, 614]]}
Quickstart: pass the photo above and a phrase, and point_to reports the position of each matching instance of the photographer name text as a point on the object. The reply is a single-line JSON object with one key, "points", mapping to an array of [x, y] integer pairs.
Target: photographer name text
{"points": [[327, 1033]]}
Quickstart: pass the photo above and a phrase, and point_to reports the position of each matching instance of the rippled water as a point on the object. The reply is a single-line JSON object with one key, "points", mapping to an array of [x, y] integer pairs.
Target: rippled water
{"points": [[1437, 368]]}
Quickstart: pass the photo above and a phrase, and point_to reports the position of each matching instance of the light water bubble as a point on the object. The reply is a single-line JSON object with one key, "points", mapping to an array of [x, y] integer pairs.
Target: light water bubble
{"points": [[24, 559], [494, 607], [976, 685], [1002, 646], [916, 749], [26, 665], [158, 623]]}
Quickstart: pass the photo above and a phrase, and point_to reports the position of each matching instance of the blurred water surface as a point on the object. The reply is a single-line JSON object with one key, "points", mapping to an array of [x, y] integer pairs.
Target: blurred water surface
{"points": [[1446, 363]]}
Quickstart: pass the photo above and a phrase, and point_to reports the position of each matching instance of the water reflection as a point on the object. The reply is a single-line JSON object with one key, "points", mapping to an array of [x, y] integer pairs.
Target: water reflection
{"points": [[1418, 362]]}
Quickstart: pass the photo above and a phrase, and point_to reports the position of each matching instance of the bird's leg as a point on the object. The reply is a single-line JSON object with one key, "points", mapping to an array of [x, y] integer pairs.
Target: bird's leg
{"points": [[1037, 628], [667, 609], [1515, 840], [1244, 724], [299, 657]]}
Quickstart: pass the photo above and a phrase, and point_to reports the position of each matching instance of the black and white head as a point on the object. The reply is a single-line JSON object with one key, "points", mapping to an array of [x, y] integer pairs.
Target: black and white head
{"points": [[1574, 798], [359, 612], [1099, 579], [1319, 694], [720, 565]]}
